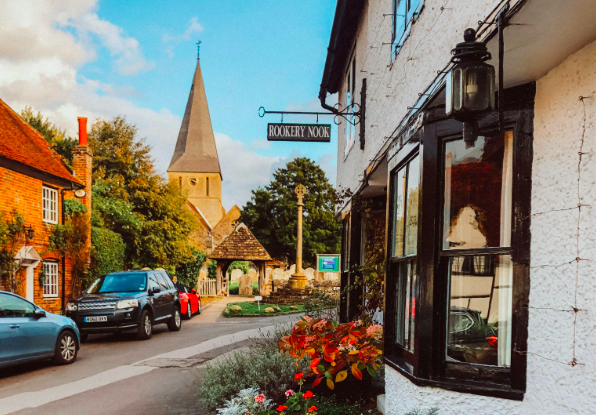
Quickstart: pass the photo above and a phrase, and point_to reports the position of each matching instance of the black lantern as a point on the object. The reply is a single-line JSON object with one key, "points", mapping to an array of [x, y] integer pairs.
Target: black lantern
{"points": [[470, 86], [30, 232]]}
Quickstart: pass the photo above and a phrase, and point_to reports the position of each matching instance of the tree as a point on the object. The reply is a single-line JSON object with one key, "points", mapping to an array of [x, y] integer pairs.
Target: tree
{"points": [[130, 198], [188, 272], [243, 266], [271, 214], [12, 237], [56, 137], [71, 240]]}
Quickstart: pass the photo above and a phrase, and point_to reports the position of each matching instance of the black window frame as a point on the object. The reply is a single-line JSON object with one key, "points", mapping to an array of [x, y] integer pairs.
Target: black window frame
{"points": [[427, 364]]}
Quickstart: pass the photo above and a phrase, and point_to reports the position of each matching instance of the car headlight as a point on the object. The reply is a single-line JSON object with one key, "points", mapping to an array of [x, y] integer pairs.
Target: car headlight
{"points": [[127, 304], [72, 307]]}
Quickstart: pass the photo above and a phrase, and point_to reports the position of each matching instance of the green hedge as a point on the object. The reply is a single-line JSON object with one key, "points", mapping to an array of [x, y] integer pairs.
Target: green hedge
{"points": [[107, 252]]}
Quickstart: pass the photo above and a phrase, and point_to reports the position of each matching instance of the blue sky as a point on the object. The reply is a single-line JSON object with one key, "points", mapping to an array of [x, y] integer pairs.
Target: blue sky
{"points": [[136, 58]]}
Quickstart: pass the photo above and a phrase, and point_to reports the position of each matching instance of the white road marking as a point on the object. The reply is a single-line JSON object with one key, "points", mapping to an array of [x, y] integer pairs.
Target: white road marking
{"points": [[36, 399]]}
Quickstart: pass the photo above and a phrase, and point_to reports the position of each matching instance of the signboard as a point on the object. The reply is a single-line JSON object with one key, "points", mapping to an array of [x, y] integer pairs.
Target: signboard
{"points": [[328, 263], [299, 132]]}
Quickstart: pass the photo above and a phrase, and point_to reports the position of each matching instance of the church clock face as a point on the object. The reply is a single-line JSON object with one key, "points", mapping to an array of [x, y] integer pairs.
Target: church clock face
{"points": [[193, 181]]}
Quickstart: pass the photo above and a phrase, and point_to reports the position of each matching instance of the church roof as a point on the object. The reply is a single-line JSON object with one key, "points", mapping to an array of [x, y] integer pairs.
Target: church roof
{"points": [[241, 245], [195, 150]]}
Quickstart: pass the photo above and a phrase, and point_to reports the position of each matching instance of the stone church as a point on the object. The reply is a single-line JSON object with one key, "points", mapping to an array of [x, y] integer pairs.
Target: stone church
{"points": [[195, 167]]}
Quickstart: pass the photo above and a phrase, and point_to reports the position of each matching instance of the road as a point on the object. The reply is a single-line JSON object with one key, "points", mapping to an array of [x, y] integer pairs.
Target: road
{"points": [[119, 374]]}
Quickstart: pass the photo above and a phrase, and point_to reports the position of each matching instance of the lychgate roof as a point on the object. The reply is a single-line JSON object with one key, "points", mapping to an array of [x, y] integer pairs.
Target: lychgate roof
{"points": [[241, 245], [195, 150]]}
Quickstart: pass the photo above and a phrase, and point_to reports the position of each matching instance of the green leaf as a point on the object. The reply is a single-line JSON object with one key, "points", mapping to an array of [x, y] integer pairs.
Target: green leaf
{"points": [[327, 375], [371, 371]]}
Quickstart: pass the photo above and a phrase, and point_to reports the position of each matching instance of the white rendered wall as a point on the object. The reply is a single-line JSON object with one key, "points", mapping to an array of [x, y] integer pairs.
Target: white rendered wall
{"points": [[393, 87], [561, 232]]}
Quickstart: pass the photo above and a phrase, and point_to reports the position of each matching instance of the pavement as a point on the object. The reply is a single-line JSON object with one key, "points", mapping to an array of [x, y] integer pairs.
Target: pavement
{"points": [[119, 374]]}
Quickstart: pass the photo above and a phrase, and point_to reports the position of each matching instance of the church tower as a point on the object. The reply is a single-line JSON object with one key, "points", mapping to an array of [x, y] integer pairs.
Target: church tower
{"points": [[195, 164]]}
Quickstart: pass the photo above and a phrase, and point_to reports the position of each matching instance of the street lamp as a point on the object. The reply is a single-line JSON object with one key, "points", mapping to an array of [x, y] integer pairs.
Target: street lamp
{"points": [[470, 86], [29, 232]]}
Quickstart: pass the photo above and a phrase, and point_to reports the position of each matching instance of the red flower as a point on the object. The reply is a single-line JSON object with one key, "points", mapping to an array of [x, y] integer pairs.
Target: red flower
{"points": [[281, 408], [312, 409], [298, 376], [308, 394]]}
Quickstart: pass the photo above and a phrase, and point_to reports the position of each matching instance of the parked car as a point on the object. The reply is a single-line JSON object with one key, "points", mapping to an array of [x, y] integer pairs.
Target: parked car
{"points": [[127, 301], [190, 301], [28, 333], [471, 338]]}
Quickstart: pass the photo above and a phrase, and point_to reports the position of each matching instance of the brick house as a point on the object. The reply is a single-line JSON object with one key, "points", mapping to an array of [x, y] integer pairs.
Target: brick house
{"points": [[34, 182]]}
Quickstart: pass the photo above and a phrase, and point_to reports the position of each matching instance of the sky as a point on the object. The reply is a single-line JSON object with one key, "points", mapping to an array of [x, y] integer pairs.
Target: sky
{"points": [[136, 58]]}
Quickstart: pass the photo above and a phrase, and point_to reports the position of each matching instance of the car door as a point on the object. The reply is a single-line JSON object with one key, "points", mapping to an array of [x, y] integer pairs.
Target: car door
{"points": [[168, 292], [33, 336], [156, 298], [8, 349]]}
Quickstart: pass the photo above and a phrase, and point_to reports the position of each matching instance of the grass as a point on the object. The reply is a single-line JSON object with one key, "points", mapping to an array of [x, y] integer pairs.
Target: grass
{"points": [[251, 309]]}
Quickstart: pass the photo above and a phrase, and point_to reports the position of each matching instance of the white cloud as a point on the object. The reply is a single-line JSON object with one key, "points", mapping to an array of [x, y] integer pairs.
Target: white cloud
{"points": [[261, 144], [193, 27], [242, 170], [42, 46]]}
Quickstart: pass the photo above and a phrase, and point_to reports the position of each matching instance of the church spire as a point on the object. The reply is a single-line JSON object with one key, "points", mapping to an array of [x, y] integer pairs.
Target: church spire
{"points": [[195, 150]]}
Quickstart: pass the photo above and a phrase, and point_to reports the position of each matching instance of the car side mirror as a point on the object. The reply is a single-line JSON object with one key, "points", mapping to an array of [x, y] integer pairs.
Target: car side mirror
{"points": [[155, 290], [193, 291], [39, 313]]}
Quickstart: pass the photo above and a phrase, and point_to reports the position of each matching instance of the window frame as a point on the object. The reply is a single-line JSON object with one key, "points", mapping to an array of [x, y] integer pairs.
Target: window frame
{"points": [[349, 101], [428, 365], [48, 213], [411, 15], [48, 283]]}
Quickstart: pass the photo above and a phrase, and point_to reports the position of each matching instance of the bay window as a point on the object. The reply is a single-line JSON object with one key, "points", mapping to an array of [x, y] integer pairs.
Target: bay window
{"points": [[457, 282]]}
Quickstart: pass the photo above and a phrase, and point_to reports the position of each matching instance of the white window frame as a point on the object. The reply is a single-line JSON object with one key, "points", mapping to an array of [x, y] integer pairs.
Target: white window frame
{"points": [[399, 34], [51, 282], [350, 99], [50, 204]]}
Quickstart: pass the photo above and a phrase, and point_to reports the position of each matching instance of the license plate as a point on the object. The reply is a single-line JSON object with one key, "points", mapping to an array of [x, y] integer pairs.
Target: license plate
{"points": [[96, 319]]}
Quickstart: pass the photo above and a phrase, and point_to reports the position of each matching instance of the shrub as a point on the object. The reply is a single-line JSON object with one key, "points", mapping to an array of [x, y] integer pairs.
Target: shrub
{"points": [[107, 252], [248, 401], [269, 310], [277, 309], [334, 350], [188, 273], [236, 308], [264, 368]]}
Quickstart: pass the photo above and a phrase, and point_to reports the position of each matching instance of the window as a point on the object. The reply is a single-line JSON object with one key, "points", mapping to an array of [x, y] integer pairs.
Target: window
{"points": [[50, 204], [405, 12], [162, 282], [153, 281], [457, 280], [11, 306], [477, 213], [350, 95], [207, 186], [50, 283], [402, 269]]}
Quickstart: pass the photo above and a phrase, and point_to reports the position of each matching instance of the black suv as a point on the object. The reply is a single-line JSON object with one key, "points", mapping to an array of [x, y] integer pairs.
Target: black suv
{"points": [[128, 301]]}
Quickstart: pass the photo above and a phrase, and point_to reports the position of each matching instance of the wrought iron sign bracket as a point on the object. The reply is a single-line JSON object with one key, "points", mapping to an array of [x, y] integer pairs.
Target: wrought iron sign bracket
{"points": [[351, 114]]}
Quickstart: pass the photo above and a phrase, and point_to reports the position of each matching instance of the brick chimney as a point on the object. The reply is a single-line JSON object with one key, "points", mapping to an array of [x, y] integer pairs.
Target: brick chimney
{"points": [[82, 162]]}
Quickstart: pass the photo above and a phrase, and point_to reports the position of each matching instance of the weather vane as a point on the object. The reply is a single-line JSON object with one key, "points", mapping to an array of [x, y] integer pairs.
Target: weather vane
{"points": [[199, 50]]}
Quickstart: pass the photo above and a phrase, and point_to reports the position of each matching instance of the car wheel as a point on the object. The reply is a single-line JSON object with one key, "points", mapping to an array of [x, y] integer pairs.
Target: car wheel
{"points": [[145, 326], [188, 312], [66, 348], [199, 312], [84, 337], [175, 322]]}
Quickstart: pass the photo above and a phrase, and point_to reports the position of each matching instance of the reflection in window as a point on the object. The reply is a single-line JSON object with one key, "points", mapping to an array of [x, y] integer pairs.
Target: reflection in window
{"points": [[345, 258], [411, 237], [398, 213], [405, 296], [478, 181], [480, 308]]}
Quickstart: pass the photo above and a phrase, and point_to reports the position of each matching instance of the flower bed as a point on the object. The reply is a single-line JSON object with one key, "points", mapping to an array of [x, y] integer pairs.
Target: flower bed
{"points": [[252, 309]]}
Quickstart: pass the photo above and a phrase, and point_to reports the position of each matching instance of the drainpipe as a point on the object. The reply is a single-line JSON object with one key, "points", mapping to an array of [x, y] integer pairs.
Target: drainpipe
{"points": [[322, 98], [62, 192]]}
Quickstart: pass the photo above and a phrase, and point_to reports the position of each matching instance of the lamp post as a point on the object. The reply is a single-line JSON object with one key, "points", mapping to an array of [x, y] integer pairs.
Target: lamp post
{"points": [[298, 280], [470, 86]]}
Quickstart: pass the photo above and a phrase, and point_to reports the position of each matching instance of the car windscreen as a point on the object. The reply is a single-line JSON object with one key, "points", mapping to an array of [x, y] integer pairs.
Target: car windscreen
{"points": [[116, 283]]}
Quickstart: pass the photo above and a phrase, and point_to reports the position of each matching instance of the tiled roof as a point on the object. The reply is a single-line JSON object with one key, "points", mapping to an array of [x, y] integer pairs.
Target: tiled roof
{"points": [[241, 245], [23, 144]]}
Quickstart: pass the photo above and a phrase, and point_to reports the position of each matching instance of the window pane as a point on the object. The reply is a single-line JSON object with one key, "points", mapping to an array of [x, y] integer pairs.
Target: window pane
{"points": [[479, 323], [398, 213], [477, 211], [400, 20], [412, 8], [345, 246], [405, 297], [412, 206]]}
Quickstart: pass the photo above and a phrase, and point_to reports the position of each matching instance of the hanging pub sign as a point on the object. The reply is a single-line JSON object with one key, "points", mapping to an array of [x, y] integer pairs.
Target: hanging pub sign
{"points": [[299, 132]]}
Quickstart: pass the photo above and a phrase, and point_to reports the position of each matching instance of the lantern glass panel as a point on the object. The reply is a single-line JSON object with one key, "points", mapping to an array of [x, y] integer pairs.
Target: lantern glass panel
{"points": [[453, 91], [479, 88]]}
